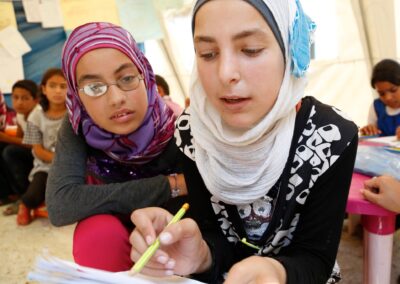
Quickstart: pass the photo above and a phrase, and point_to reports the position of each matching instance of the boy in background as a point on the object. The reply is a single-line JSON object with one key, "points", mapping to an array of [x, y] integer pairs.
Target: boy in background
{"points": [[16, 155]]}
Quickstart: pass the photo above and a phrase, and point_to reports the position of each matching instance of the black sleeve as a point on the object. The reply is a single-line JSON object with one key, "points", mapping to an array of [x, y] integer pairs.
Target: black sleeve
{"points": [[69, 199], [311, 255]]}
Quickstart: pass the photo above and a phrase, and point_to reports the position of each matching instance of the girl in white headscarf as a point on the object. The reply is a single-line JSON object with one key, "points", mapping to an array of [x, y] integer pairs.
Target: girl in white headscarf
{"points": [[267, 169]]}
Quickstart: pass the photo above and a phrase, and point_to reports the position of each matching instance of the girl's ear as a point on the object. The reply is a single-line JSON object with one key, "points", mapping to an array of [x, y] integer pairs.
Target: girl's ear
{"points": [[43, 89]]}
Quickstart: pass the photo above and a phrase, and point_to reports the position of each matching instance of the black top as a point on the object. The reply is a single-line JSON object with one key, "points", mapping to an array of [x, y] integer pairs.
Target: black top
{"points": [[308, 200]]}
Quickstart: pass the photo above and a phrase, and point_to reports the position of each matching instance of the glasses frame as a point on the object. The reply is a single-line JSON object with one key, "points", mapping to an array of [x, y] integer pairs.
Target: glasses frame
{"points": [[107, 85]]}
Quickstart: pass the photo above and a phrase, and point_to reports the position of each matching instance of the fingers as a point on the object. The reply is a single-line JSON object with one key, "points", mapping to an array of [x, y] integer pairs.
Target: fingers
{"points": [[372, 183], [181, 230], [150, 221], [370, 196], [398, 133], [139, 246], [370, 130]]}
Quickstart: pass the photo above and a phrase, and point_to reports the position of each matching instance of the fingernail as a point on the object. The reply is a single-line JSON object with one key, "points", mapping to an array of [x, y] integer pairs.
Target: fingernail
{"points": [[169, 272], [162, 259], [149, 240], [170, 264], [165, 238]]}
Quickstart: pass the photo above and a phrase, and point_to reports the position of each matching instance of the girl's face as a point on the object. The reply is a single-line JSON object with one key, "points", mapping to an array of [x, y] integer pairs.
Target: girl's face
{"points": [[55, 90], [117, 111], [239, 61], [388, 93], [22, 101]]}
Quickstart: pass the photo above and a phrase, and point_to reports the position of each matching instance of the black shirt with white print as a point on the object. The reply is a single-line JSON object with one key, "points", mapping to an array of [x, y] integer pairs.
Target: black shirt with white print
{"points": [[299, 221]]}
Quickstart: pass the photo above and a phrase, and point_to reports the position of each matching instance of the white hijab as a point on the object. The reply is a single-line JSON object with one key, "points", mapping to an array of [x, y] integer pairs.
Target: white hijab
{"points": [[241, 167]]}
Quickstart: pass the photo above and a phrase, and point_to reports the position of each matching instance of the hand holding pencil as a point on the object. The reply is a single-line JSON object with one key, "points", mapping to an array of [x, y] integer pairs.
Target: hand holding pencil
{"points": [[163, 245]]}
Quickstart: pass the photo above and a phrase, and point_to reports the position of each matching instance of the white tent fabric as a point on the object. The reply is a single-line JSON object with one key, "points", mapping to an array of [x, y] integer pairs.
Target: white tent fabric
{"points": [[351, 37]]}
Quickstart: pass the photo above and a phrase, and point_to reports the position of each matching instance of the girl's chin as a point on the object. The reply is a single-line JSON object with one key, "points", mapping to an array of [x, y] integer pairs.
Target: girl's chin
{"points": [[238, 125]]}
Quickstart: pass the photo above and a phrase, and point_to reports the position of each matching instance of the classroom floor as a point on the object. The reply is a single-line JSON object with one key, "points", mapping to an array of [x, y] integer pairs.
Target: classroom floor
{"points": [[19, 247]]}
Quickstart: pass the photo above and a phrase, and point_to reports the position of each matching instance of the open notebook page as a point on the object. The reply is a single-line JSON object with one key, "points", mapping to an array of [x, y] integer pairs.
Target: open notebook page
{"points": [[51, 270]]}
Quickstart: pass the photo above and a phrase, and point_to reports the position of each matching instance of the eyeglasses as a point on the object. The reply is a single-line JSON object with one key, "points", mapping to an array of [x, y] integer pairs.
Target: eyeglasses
{"points": [[97, 89]]}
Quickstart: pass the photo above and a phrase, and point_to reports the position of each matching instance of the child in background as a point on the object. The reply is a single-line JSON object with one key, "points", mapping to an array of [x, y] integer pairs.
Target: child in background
{"points": [[116, 153], [6, 187], [163, 90], [41, 132], [16, 155], [260, 161], [7, 118], [384, 114]]}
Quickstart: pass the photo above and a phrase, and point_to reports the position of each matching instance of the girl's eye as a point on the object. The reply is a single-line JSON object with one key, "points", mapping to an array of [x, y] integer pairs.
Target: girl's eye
{"points": [[208, 55], [127, 79], [252, 51]]}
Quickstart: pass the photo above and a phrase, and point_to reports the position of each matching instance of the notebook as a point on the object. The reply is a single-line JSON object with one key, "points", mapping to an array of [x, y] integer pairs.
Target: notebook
{"points": [[52, 270]]}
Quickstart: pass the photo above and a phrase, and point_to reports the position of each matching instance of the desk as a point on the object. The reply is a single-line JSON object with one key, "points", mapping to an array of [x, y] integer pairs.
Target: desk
{"points": [[379, 226]]}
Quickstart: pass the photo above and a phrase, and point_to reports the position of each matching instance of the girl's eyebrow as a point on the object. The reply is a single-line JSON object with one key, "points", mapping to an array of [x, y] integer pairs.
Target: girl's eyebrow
{"points": [[243, 34], [124, 66], [96, 77], [88, 77]]}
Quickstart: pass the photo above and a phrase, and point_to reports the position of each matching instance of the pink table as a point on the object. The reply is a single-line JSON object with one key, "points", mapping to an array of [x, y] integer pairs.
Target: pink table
{"points": [[379, 226]]}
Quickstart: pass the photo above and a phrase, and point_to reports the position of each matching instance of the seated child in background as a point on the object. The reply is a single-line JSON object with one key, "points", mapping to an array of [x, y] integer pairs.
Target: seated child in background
{"points": [[41, 132], [16, 155], [384, 114], [116, 153], [163, 90], [7, 119]]}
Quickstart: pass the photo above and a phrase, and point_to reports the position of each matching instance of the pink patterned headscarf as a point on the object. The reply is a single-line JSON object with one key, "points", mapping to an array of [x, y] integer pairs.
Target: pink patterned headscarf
{"points": [[149, 140]]}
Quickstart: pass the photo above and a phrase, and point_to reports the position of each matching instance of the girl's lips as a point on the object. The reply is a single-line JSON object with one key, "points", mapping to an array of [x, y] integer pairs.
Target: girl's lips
{"points": [[235, 103], [122, 116]]}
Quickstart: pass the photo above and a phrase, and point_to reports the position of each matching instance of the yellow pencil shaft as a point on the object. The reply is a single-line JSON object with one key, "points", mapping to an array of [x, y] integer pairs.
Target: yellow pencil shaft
{"points": [[144, 259]]}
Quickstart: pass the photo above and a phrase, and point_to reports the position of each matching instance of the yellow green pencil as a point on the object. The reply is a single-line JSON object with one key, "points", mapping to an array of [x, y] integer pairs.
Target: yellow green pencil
{"points": [[144, 259]]}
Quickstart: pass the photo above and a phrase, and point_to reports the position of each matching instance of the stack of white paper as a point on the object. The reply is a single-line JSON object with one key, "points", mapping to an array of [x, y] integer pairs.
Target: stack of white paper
{"points": [[54, 270]]}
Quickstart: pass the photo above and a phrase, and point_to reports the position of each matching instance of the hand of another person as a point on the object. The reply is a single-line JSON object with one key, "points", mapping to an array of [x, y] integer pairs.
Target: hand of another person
{"points": [[369, 130], [183, 250], [256, 270], [398, 133], [177, 182], [384, 191]]}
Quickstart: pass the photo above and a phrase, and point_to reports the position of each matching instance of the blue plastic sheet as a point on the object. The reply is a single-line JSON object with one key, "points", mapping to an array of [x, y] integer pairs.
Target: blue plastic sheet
{"points": [[375, 161]]}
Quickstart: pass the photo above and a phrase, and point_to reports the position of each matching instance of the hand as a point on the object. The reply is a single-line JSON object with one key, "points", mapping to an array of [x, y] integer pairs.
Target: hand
{"points": [[370, 130], [179, 182], [398, 133], [388, 195], [256, 270], [183, 250]]}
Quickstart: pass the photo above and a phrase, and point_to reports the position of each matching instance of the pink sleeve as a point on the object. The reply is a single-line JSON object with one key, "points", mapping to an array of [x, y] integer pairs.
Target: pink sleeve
{"points": [[3, 112], [177, 109]]}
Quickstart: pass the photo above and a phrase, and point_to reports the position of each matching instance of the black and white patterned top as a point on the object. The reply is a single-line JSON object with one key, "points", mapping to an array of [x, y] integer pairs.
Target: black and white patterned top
{"points": [[299, 221]]}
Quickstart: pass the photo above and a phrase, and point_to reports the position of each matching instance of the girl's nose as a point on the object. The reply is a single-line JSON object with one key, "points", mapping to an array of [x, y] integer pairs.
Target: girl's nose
{"points": [[116, 96], [229, 71]]}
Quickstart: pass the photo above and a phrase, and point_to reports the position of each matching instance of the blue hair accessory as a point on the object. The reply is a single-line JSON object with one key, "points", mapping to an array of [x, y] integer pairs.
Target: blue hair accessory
{"points": [[300, 42]]}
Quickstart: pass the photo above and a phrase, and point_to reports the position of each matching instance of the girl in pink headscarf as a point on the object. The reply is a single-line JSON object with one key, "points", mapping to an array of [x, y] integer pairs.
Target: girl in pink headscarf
{"points": [[115, 154]]}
